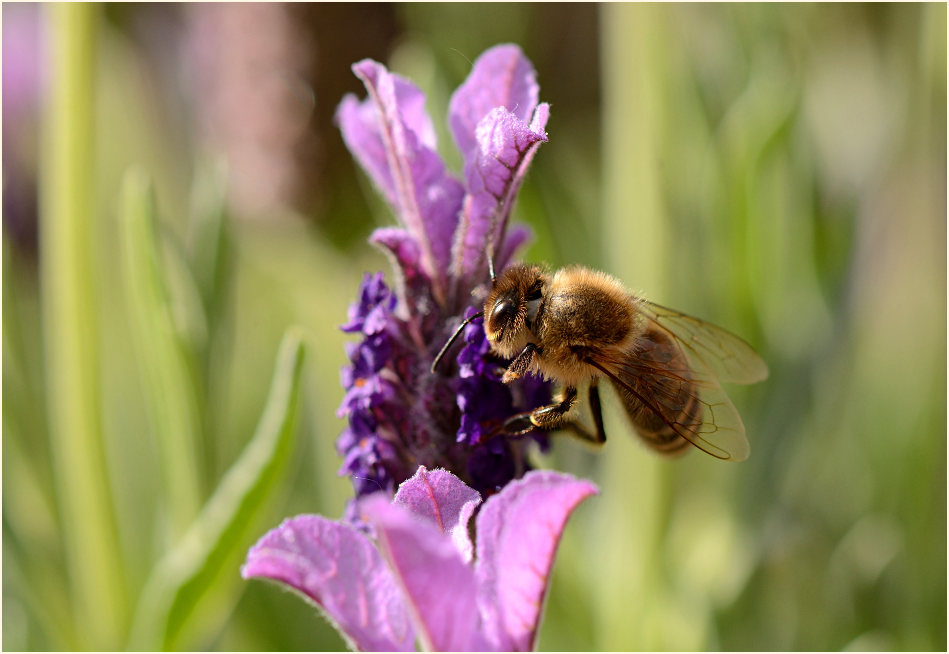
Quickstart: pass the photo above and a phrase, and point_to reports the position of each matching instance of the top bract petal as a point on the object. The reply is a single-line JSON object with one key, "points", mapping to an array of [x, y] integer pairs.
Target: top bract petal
{"points": [[500, 77], [359, 124], [362, 129], [518, 533], [444, 500], [504, 148], [392, 137]]}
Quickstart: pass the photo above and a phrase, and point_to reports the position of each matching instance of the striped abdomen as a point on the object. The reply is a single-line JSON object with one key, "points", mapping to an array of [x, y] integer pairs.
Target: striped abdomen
{"points": [[661, 399]]}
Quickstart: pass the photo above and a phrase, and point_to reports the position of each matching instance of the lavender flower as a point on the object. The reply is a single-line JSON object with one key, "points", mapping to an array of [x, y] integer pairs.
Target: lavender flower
{"points": [[395, 571], [420, 577], [401, 415]]}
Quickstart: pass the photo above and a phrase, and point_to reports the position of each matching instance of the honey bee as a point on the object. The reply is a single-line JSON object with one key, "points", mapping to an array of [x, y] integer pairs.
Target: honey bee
{"points": [[578, 326]]}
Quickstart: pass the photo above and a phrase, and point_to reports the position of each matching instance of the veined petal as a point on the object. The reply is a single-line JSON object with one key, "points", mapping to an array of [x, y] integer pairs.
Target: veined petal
{"points": [[426, 197], [362, 130], [339, 569], [403, 252], [519, 530], [438, 584], [500, 77], [445, 501], [505, 147], [359, 124]]}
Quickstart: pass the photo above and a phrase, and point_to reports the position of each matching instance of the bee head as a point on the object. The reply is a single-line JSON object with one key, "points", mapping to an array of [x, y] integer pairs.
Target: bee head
{"points": [[511, 306]]}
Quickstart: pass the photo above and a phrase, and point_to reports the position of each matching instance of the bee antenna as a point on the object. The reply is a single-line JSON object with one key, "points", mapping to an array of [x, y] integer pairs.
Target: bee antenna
{"points": [[451, 340]]}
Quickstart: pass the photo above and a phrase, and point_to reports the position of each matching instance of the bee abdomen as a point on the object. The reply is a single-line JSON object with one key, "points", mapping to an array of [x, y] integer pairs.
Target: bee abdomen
{"points": [[656, 372], [660, 435]]}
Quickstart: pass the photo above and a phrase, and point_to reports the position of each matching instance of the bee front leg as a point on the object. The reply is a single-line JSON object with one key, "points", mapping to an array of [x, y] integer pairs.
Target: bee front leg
{"points": [[520, 364]]}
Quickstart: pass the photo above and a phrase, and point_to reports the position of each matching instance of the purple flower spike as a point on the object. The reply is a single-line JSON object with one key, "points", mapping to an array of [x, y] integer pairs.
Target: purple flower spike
{"points": [[424, 582], [400, 414]]}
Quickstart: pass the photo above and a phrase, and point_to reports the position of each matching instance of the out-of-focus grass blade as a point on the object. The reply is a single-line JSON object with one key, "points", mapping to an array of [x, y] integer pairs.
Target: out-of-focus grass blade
{"points": [[209, 250], [70, 313], [211, 550], [635, 222], [209, 239], [38, 594], [168, 380], [185, 303]]}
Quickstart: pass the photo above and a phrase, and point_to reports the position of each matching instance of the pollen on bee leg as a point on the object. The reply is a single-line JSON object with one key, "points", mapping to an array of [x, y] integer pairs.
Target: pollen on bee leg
{"points": [[509, 376]]}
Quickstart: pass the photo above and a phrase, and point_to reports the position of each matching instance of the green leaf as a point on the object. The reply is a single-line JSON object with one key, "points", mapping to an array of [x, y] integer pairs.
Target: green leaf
{"points": [[176, 597], [166, 359], [209, 237]]}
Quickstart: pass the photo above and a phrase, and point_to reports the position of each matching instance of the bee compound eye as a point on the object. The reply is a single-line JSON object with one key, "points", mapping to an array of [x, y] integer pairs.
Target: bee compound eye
{"points": [[501, 314]]}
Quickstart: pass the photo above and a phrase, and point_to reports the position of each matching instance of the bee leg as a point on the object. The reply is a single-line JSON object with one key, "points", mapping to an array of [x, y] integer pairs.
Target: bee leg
{"points": [[597, 411], [520, 364], [598, 436], [549, 416]]}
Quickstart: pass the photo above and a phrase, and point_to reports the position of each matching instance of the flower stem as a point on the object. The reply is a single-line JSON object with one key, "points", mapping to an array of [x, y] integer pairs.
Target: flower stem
{"points": [[636, 249], [70, 332]]}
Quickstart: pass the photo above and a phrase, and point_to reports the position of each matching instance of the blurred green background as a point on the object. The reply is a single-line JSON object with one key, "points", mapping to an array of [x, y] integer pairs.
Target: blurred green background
{"points": [[776, 169]]}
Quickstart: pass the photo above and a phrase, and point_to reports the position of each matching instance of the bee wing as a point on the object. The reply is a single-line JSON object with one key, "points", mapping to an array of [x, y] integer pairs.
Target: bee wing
{"points": [[726, 355], [697, 409]]}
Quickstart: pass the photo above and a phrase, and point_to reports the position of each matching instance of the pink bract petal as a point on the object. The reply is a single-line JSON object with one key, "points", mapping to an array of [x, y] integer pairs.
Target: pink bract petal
{"points": [[444, 500], [359, 124], [426, 197], [339, 569], [519, 530], [403, 252], [505, 147], [500, 77], [438, 584]]}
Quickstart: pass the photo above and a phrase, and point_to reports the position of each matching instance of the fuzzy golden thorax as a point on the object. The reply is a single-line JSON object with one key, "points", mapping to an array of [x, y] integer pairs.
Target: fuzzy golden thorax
{"points": [[585, 313]]}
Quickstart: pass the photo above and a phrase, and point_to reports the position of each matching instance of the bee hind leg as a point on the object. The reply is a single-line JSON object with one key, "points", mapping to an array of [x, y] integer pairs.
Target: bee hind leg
{"points": [[598, 435], [553, 416]]}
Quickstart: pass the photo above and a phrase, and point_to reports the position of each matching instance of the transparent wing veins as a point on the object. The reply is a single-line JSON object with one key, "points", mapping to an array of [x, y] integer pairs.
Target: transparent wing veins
{"points": [[724, 354]]}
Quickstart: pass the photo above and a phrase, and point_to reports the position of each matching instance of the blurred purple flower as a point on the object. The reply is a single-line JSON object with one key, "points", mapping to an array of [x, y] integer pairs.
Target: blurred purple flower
{"points": [[25, 73], [249, 64], [418, 576], [400, 414]]}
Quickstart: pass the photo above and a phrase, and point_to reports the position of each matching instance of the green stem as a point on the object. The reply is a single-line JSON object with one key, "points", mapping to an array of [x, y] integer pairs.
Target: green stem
{"points": [[69, 324], [635, 219], [635, 226]]}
